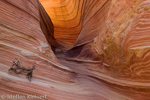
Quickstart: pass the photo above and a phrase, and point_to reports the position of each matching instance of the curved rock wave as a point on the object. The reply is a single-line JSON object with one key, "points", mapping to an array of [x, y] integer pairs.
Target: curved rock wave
{"points": [[109, 60]]}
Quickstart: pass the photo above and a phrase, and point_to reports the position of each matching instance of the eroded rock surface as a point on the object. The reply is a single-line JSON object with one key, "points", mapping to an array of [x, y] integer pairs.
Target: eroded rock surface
{"points": [[109, 60], [121, 48], [22, 37], [66, 17]]}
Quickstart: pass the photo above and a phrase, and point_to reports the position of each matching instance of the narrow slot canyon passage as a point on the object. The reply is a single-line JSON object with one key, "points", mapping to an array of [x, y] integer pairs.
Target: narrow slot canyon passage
{"points": [[75, 49], [66, 18]]}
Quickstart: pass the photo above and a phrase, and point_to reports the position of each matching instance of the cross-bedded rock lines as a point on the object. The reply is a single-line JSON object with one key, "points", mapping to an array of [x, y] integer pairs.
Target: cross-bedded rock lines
{"points": [[18, 69]]}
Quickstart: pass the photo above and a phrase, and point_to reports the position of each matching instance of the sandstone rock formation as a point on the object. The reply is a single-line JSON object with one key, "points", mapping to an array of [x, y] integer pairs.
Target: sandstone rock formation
{"points": [[109, 59], [22, 37], [66, 17]]}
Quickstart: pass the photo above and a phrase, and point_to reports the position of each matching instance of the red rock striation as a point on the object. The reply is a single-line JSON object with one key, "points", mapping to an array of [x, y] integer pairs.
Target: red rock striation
{"points": [[21, 36], [121, 48], [109, 59]]}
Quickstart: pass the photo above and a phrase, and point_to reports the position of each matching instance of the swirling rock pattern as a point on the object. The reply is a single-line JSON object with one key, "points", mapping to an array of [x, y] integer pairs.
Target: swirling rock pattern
{"points": [[21, 37], [115, 36], [66, 17], [109, 59], [122, 48]]}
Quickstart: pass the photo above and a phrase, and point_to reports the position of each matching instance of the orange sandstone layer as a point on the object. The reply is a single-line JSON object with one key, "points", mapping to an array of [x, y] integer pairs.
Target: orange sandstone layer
{"points": [[66, 17], [77, 17]]}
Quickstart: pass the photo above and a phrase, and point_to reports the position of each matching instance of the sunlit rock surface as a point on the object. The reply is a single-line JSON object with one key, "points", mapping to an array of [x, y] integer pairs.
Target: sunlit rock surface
{"points": [[109, 59], [66, 17]]}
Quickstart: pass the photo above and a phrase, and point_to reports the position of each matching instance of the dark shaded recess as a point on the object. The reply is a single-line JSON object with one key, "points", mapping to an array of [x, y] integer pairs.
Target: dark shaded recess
{"points": [[83, 52], [74, 52]]}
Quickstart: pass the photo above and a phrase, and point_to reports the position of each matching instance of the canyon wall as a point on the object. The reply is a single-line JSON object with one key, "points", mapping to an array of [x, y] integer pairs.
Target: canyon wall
{"points": [[122, 42], [119, 52], [22, 37], [109, 59]]}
